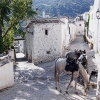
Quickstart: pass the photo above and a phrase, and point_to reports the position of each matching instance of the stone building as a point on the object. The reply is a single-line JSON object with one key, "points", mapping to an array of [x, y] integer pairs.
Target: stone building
{"points": [[46, 38]]}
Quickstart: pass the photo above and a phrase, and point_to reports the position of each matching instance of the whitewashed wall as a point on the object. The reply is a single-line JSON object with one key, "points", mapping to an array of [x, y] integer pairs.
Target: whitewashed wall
{"points": [[80, 29], [65, 32], [6, 75], [94, 26], [92, 22], [72, 31], [97, 28]]}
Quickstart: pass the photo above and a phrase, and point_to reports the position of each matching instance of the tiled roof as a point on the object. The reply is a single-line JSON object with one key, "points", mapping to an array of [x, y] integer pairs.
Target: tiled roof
{"points": [[47, 20]]}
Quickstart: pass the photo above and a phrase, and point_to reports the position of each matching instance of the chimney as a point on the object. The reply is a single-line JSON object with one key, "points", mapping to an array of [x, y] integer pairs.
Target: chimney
{"points": [[37, 11], [43, 13]]}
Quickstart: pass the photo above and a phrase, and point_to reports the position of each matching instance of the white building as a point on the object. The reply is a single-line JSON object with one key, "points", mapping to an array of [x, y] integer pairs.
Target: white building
{"points": [[94, 31], [80, 25], [47, 39], [94, 26]]}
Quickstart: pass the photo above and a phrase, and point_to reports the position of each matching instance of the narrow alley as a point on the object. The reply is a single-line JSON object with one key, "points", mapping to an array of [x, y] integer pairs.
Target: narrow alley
{"points": [[36, 82]]}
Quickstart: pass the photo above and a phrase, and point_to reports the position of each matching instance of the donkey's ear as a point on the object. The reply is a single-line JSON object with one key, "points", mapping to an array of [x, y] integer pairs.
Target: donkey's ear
{"points": [[84, 51], [80, 50], [76, 50]]}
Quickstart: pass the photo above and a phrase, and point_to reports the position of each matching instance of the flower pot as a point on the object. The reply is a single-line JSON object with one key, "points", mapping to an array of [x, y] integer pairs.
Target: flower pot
{"points": [[91, 45]]}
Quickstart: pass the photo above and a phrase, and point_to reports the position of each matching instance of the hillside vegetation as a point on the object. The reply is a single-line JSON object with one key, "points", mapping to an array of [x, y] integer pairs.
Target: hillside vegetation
{"points": [[70, 8]]}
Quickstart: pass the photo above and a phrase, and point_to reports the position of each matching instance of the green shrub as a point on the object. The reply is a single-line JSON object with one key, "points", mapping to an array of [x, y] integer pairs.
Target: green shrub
{"points": [[2, 46]]}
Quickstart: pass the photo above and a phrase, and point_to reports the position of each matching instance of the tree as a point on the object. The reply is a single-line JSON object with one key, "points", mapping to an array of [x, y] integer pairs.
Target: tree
{"points": [[12, 13]]}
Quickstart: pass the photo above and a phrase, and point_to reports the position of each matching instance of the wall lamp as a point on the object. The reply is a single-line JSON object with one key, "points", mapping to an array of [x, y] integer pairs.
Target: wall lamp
{"points": [[98, 13]]}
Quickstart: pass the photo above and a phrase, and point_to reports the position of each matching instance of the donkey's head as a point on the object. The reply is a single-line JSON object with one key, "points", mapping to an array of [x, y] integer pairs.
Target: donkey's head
{"points": [[83, 59], [78, 53]]}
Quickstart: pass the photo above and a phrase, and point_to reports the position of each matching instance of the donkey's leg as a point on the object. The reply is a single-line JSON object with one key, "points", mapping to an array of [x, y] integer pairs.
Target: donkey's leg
{"points": [[56, 78], [58, 82], [69, 83], [76, 85], [85, 88]]}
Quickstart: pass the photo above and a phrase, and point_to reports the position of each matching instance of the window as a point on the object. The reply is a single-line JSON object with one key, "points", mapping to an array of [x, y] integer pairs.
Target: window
{"points": [[79, 24], [48, 52], [46, 32]]}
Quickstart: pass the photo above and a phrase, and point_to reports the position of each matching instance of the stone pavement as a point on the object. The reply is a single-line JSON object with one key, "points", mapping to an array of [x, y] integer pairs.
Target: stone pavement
{"points": [[36, 82]]}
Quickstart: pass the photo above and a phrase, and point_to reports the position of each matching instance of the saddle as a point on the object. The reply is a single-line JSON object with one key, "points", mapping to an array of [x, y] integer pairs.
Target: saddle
{"points": [[71, 64]]}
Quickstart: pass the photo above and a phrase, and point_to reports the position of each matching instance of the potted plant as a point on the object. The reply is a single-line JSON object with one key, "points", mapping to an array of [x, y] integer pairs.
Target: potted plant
{"points": [[91, 45]]}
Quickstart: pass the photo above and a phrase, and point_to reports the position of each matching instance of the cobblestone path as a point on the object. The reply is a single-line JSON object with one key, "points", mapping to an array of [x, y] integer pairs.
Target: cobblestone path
{"points": [[36, 82]]}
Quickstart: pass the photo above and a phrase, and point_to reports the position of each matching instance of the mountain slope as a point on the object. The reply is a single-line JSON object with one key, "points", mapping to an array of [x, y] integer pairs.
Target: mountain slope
{"points": [[70, 8]]}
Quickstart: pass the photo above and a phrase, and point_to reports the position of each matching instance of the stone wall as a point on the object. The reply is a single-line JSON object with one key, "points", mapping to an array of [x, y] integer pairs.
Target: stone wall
{"points": [[72, 31], [46, 47], [48, 39]]}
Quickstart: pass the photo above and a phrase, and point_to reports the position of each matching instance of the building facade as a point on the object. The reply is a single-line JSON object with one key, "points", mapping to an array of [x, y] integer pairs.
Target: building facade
{"points": [[48, 39], [72, 31]]}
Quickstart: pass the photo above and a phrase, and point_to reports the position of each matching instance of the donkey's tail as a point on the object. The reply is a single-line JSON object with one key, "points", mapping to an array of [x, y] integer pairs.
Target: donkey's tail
{"points": [[55, 70]]}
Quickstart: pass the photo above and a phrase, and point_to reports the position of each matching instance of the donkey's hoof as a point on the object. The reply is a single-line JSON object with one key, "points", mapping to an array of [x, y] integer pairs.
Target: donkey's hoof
{"points": [[84, 94], [56, 88], [76, 92], [66, 92], [60, 91]]}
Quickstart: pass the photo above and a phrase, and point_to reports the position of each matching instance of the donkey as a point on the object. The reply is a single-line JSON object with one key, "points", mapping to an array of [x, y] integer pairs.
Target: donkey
{"points": [[59, 67]]}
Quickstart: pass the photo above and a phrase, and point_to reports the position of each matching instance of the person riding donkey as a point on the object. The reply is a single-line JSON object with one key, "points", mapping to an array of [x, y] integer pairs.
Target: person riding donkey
{"points": [[71, 65], [70, 58]]}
